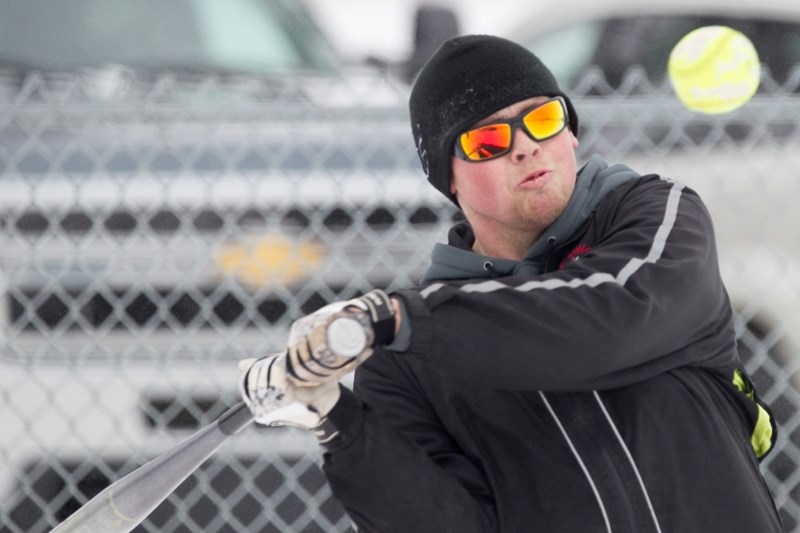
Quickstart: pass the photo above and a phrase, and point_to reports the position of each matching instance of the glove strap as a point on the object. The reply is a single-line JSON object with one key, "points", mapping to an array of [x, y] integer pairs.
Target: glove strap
{"points": [[381, 313]]}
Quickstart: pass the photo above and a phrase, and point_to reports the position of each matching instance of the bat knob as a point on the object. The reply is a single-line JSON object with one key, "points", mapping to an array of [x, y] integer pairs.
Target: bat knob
{"points": [[346, 337]]}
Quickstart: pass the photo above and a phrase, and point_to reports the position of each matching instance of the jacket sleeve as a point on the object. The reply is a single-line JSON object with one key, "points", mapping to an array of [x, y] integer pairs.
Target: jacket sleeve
{"points": [[393, 467], [646, 299]]}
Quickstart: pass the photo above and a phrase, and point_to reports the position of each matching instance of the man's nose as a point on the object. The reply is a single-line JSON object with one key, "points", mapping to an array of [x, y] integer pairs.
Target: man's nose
{"points": [[523, 146]]}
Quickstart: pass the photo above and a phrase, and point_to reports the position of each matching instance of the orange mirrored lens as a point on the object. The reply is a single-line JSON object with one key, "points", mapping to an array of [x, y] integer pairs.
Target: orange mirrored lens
{"points": [[546, 120], [486, 142]]}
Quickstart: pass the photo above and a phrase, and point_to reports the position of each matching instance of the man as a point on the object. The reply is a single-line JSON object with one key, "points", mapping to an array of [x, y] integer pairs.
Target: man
{"points": [[568, 363]]}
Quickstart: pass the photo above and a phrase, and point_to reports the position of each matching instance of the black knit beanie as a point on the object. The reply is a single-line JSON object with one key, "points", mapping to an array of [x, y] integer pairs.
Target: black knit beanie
{"points": [[467, 79]]}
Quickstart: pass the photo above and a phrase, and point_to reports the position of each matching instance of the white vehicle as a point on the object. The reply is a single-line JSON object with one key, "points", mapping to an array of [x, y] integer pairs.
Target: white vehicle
{"points": [[177, 182]]}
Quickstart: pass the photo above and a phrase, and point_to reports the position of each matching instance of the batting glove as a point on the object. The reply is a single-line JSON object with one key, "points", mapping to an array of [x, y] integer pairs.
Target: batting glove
{"points": [[329, 343], [274, 401]]}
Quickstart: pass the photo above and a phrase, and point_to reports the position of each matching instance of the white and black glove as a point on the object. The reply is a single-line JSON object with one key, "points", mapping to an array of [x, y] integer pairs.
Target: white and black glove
{"points": [[275, 401], [333, 341]]}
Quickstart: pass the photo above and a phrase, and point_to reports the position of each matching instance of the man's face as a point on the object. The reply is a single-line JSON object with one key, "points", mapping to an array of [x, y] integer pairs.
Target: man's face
{"points": [[523, 191]]}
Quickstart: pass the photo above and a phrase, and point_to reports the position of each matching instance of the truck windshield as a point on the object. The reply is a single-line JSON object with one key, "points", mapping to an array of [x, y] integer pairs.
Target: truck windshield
{"points": [[249, 36]]}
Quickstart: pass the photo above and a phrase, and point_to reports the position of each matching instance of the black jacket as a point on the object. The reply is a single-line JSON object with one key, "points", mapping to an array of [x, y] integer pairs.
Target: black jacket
{"points": [[593, 387]]}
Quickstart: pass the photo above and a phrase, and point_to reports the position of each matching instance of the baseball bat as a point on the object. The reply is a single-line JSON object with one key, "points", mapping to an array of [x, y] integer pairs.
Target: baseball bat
{"points": [[125, 503]]}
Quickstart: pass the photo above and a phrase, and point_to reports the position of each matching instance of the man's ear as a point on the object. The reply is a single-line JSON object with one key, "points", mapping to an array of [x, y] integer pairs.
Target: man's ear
{"points": [[453, 181]]}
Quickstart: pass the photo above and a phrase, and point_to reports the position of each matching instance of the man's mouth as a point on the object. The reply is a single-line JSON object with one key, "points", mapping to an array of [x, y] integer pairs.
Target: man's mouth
{"points": [[534, 177]]}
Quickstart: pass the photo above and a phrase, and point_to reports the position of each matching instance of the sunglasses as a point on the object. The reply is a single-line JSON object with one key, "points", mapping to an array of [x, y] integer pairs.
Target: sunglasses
{"points": [[493, 140]]}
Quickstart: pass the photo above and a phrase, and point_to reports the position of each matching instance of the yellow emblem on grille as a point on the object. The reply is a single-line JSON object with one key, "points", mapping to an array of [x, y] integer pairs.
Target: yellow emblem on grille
{"points": [[270, 260]]}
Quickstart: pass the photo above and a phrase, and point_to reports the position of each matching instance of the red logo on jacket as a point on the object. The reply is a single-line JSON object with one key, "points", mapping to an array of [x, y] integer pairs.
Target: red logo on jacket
{"points": [[576, 253]]}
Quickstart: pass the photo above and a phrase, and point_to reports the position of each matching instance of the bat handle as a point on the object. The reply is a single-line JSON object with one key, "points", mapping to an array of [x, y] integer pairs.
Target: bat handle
{"points": [[234, 419]]}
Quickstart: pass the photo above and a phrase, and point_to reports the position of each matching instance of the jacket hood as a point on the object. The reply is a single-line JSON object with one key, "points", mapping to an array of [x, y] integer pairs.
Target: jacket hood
{"points": [[456, 260]]}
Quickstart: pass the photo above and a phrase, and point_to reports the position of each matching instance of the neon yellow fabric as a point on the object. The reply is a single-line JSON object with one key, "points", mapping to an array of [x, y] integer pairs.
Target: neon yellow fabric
{"points": [[761, 437]]}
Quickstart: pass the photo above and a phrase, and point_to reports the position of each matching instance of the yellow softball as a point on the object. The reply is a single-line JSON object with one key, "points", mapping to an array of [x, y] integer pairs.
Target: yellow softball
{"points": [[714, 69]]}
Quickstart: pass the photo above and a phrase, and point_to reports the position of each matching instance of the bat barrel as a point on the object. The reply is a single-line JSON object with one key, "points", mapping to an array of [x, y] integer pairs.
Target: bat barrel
{"points": [[125, 503]]}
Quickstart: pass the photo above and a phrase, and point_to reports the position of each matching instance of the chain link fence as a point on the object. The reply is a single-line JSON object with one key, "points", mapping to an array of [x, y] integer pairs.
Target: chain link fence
{"points": [[155, 232]]}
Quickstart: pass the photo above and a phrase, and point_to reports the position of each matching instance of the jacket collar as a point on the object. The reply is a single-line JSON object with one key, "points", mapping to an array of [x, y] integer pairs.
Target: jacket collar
{"points": [[456, 260]]}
